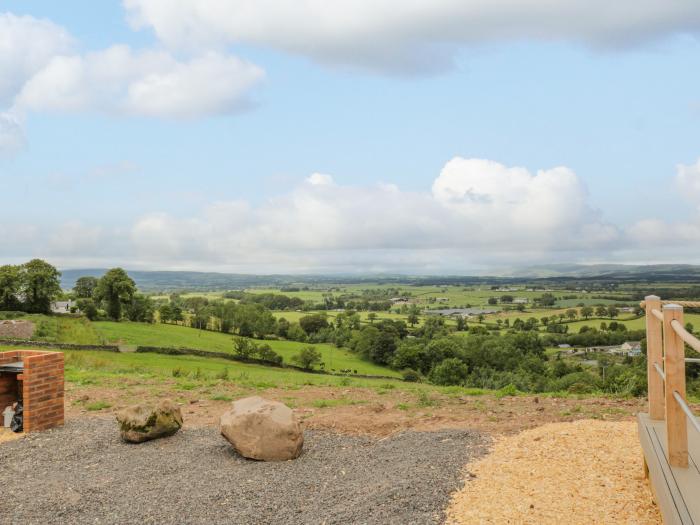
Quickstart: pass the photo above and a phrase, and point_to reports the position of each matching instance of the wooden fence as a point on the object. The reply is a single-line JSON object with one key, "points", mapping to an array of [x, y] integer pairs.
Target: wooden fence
{"points": [[670, 463]]}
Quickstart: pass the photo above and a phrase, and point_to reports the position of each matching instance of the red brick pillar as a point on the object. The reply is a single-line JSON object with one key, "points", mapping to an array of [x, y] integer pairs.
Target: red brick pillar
{"points": [[42, 390]]}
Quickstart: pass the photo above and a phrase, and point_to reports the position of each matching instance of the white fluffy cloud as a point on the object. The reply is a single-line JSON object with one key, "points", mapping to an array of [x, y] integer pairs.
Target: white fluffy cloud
{"points": [[40, 71], [400, 35], [478, 212], [151, 83], [676, 237], [26, 45]]}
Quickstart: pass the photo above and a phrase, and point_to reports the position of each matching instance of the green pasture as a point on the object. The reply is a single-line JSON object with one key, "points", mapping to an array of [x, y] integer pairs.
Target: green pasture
{"points": [[167, 335]]}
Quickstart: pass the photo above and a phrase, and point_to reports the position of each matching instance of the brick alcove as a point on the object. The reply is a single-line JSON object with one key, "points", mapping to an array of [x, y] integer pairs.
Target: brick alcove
{"points": [[39, 385]]}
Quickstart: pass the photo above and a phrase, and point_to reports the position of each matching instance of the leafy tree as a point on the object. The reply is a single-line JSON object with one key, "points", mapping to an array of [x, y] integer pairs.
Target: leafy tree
{"points": [[547, 299], [117, 290], [296, 332], [313, 323], [244, 347], [307, 358], [282, 327], [601, 310], [10, 284], [266, 352], [140, 309], [451, 371], [39, 284], [165, 312], [571, 313], [613, 312], [493, 300], [586, 312], [413, 313], [85, 287], [371, 317], [88, 307], [507, 299]]}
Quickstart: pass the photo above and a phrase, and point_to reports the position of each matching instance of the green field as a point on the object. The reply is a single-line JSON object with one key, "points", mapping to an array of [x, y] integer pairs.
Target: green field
{"points": [[166, 335]]}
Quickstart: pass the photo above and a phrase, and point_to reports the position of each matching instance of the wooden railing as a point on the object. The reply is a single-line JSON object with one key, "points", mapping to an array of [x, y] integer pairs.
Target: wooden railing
{"points": [[666, 340]]}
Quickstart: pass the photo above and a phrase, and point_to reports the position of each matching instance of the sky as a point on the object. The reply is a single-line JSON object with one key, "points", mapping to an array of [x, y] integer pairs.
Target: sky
{"points": [[278, 136]]}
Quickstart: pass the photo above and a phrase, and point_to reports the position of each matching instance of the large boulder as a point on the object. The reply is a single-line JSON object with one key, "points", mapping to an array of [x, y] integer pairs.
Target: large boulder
{"points": [[262, 429], [144, 422]]}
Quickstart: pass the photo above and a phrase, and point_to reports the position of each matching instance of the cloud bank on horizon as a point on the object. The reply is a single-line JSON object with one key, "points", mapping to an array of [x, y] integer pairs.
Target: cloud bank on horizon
{"points": [[477, 212]]}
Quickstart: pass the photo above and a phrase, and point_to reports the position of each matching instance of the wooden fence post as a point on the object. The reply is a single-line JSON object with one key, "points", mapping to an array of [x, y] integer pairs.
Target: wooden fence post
{"points": [[674, 361], [654, 355]]}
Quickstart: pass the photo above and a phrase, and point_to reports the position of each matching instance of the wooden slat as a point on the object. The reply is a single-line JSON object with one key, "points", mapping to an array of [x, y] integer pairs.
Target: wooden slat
{"points": [[674, 367], [676, 489], [654, 357]]}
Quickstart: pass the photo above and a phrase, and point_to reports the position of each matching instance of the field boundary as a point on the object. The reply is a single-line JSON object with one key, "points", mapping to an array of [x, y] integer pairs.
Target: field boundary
{"points": [[60, 346], [248, 360]]}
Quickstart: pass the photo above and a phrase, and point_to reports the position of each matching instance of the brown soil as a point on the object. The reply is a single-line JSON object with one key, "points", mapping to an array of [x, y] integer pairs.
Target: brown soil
{"points": [[365, 411], [16, 329], [585, 472]]}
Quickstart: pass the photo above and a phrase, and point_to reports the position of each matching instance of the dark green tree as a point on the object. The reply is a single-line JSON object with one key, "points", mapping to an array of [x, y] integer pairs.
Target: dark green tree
{"points": [[307, 358], [116, 289], [39, 285], [9, 287], [85, 287]]}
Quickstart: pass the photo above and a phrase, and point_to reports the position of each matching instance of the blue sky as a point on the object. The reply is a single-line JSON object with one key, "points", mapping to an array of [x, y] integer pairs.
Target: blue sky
{"points": [[221, 177]]}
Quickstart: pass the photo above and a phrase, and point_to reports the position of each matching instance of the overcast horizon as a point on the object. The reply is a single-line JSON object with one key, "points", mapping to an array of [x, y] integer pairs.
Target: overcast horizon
{"points": [[438, 137]]}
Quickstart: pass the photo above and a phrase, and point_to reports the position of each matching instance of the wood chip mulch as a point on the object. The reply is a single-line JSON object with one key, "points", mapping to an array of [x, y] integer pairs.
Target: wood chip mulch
{"points": [[584, 472]]}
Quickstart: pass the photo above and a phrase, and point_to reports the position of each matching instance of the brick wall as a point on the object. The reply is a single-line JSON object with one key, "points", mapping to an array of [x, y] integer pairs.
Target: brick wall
{"points": [[42, 387]]}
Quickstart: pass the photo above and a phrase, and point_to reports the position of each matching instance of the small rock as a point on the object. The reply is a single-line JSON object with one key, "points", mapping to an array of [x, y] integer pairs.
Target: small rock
{"points": [[144, 422], [262, 429]]}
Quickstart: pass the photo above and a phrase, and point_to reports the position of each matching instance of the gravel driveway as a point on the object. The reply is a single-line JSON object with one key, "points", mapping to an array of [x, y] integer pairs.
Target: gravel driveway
{"points": [[83, 473]]}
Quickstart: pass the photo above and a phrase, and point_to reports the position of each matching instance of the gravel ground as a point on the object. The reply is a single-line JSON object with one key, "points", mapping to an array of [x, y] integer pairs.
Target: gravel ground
{"points": [[83, 473]]}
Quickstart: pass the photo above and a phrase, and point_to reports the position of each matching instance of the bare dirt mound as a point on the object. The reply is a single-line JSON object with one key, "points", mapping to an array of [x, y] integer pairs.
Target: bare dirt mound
{"points": [[585, 472], [16, 329]]}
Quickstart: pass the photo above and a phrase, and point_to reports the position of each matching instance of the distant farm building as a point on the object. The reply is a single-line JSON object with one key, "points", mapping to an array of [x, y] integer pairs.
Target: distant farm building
{"points": [[62, 307]]}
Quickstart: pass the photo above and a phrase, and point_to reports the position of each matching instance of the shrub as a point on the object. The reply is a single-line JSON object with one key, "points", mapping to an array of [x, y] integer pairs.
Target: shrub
{"points": [[307, 358], [411, 376], [268, 354], [450, 371]]}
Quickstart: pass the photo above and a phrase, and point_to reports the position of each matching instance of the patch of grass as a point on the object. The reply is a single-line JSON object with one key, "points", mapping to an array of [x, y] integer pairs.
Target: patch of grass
{"points": [[508, 390], [402, 406], [175, 336], [97, 405], [425, 399], [220, 397]]}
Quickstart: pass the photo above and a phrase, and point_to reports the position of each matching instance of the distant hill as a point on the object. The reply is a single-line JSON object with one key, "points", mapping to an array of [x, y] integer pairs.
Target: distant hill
{"points": [[150, 281], [614, 271]]}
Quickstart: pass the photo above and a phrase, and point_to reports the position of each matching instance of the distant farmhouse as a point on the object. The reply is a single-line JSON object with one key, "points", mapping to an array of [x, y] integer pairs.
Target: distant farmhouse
{"points": [[63, 307]]}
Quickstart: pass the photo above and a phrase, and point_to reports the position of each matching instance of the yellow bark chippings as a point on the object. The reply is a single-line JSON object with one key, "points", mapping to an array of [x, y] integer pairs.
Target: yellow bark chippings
{"points": [[585, 472]]}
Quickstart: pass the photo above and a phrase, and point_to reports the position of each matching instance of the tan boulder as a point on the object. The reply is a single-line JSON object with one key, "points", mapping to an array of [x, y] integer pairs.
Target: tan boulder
{"points": [[262, 429], [144, 422]]}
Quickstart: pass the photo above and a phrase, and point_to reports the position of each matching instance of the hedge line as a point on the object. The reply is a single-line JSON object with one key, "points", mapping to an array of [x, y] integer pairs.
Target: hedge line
{"points": [[241, 359]]}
